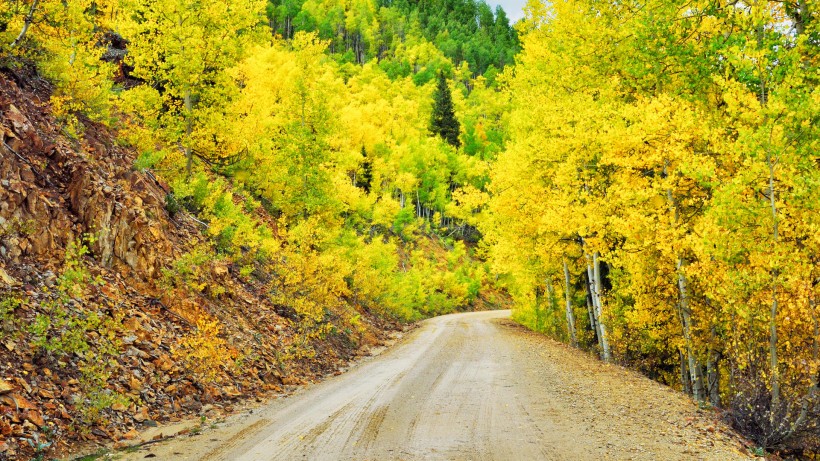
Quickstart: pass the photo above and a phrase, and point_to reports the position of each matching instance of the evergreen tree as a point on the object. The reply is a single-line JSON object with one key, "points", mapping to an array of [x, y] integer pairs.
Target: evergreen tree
{"points": [[444, 122], [367, 173]]}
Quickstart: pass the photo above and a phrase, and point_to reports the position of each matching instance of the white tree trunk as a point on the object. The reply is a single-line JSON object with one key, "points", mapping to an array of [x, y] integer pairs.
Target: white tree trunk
{"points": [[593, 276], [26, 24], [593, 314], [592, 323], [596, 267], [695, 374], [573, 337]]}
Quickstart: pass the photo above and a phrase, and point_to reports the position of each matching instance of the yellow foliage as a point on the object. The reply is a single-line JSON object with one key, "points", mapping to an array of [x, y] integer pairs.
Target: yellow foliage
{"points": [[204, 352]]}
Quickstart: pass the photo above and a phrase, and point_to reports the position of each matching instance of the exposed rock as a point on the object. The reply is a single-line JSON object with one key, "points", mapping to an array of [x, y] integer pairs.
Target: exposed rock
{"points": [[55, 191]]}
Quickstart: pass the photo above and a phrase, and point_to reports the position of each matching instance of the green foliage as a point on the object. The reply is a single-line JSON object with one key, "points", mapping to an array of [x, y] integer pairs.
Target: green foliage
{"points": [[443, 122], [9, 324], [17, 227], [67, 331], [466, 31], [63, 327], [148, 159], [75, 277]]}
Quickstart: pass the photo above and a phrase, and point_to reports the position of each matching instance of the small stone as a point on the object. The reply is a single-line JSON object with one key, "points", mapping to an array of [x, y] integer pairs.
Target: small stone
{"points": [[141, 415], [135, 384], [45, 393], [118, 406]]}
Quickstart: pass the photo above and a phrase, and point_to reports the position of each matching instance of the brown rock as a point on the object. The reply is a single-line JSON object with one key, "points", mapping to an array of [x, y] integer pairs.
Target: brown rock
{"points": [[5, 428], [17, 401], [35, 418], [45, 393], [141, 415], [134, 383], [22, 383], [7, 280], [132, 324], [118, 407]]}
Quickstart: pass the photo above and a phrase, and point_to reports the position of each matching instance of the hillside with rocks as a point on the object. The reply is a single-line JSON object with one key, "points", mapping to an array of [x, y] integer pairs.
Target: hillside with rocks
{"points": [[57, 189]]}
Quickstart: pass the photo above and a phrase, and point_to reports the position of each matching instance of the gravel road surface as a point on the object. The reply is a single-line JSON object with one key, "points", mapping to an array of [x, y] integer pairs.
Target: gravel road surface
{"points": [[472, 386]]}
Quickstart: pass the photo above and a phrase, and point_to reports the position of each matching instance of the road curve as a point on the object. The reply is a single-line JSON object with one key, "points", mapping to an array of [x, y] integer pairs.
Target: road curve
{"points": [[470, 387]]}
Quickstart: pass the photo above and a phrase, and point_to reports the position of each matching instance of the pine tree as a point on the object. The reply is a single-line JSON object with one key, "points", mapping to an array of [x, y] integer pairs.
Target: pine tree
{"points": [[444, 122]]}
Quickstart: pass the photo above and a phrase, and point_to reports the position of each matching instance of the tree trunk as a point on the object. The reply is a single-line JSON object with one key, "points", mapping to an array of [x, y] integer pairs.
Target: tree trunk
{"points": [[189, 154], [593, 277], [713, 370], [696, 375], [592, 323], [695, 372], [799, 16], [773, 360], [685, 380], [26, 24], [570, 318], [598, 304], [713, 376]]}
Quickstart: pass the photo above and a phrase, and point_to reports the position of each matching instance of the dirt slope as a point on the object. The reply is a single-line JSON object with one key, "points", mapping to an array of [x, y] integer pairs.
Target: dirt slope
{"points": [[54, 189], [470, 387]]}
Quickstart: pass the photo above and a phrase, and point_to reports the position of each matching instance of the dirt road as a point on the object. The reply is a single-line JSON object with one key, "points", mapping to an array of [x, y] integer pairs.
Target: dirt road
{"points": [[469, 387]]}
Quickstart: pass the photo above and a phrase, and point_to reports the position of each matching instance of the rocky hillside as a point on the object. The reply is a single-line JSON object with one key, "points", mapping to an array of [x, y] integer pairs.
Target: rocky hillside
{"points": [[99, 337]]}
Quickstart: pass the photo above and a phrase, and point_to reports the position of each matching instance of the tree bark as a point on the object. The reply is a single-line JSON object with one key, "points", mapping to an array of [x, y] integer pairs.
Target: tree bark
{"points": [[696, 376], [189, 155], [592, 323], [773, 360], [26, 24], [573, 337], [594, 286], [593, 313], [685, 378], [799, 15], [596, 267], [713, 373], [695, 372]]}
